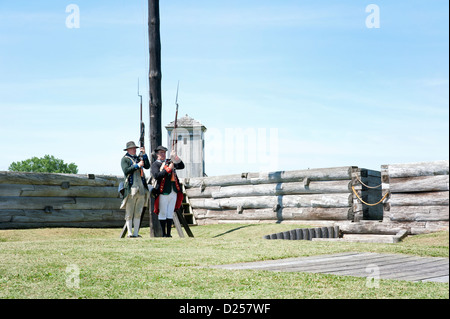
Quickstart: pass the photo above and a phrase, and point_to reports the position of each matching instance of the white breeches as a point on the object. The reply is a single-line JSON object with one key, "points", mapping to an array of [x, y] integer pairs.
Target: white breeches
{"points": [[167, 206]]}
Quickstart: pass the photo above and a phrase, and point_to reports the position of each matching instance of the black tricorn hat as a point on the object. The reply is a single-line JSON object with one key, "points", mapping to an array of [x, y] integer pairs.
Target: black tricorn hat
{"points": [[160, 148]]}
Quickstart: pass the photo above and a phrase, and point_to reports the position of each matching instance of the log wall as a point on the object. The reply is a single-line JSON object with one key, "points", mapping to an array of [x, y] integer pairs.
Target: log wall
{"points": [[302, 195], [418, 198], [29, 200], [419, 195]]}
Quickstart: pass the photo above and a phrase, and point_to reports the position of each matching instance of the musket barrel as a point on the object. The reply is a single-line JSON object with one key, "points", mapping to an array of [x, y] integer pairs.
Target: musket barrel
{"points": [[174, 137]]}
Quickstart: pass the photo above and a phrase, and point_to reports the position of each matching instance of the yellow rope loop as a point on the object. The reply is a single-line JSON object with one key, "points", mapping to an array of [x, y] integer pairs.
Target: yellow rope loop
{"points": [[384, 197], [372, 187]]}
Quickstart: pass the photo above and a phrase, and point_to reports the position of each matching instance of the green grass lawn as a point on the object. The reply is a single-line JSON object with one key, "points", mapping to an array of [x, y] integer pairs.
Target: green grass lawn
{"points": [[34, 264]]}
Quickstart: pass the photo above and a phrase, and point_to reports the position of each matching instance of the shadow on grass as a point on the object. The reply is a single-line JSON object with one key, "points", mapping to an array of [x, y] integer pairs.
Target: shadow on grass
{"points": [[232, 230]]}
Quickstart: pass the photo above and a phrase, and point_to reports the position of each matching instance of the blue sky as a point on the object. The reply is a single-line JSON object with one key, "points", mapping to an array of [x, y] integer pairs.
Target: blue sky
{"points": [[307, 79]]}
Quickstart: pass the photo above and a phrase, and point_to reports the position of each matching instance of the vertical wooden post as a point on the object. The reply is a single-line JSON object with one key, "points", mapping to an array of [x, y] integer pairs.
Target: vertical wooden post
{"points": [[155, 74], [155, 103], [155, 226]]}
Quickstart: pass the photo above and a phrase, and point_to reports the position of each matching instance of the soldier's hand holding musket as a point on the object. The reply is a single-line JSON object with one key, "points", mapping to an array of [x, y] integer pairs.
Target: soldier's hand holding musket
{"points": [[174, 157], [141, 157]]}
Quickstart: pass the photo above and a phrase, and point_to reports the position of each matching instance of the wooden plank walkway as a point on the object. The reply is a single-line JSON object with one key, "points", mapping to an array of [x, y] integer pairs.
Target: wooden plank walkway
{"points": [[387, 266]]}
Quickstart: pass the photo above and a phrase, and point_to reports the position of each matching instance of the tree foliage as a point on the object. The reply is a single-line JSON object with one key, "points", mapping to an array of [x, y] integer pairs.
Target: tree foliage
{"points": [[46, 164]]}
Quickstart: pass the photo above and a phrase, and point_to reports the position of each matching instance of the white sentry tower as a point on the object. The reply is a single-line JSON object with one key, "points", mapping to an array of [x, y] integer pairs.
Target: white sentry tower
{"points": [[190, 146]]}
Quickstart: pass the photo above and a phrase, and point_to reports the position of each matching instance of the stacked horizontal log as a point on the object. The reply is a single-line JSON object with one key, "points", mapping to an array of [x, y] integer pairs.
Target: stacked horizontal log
{"points": [[59, 200], [306, 195], [419, 195]]}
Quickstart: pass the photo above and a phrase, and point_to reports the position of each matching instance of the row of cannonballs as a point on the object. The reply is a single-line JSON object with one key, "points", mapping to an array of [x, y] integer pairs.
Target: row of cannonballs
{"points": [[306, 233]]}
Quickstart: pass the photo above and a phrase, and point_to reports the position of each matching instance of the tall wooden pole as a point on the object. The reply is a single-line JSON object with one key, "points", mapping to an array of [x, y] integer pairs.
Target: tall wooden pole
{"points": [[155, 104], [155, 74]]}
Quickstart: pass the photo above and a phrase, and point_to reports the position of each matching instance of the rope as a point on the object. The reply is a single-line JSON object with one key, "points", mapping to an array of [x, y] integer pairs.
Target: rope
{"points": [[372, 187], [384, 197]]}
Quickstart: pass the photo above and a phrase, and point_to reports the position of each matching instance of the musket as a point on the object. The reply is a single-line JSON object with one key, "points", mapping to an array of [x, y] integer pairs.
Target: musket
{"points": [[174, 136], [142, 133]]}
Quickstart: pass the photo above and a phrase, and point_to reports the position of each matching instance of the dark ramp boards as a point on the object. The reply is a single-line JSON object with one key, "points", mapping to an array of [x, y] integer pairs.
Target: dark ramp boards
{"points": [[370, 265]]}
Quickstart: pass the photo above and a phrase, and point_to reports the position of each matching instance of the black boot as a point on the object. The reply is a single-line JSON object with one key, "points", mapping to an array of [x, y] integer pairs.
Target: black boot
{"points": [[163, 226], [169, 227]]}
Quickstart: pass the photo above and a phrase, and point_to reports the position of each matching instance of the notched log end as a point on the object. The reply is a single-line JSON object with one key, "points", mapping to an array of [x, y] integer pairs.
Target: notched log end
{"points": [[65, 185], [48, 209]]}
